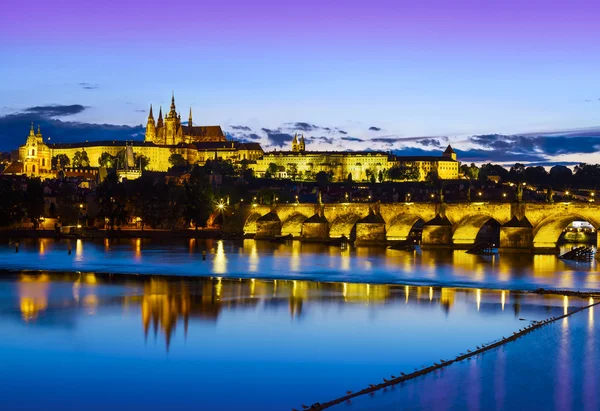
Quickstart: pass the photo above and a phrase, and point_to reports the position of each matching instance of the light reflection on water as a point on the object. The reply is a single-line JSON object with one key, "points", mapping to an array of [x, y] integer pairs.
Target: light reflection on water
{"points": [[553, 368], [275, 344], [296, 260]]}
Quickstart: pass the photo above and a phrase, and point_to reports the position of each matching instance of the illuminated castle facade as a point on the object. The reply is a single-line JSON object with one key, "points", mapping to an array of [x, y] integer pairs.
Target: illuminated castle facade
{"points": [[359, 164], [167, 136], [163, 138], [170, 130]]}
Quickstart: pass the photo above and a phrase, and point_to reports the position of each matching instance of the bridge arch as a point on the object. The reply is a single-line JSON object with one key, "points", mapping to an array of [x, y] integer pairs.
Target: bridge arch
{"points": [[250, 223], [547, 233], [399, 228], [465, 233], [293, 224], [344, 224]]}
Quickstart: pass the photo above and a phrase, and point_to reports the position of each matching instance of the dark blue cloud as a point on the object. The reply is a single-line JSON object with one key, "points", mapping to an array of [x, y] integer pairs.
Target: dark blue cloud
{"points": [[14, 128], [373, 128], [88, 86], [354, 139], [241, 128], [54, 110]]}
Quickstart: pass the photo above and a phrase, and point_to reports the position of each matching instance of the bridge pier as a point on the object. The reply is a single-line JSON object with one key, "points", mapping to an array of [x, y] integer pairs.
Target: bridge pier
{"points": [[516, 236], [315, 229], [370, 230], [437, 233], [268, 226]]}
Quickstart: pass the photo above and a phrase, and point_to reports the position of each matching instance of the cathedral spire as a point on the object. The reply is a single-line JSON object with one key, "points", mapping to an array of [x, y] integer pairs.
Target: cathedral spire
{"points": [[31, 132], [160, 118], [173, 102], [190, 119], [150, 115]]}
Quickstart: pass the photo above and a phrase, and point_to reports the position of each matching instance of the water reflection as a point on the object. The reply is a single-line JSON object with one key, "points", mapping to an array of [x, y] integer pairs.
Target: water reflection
{"points": [[229, 333], [166, 302], [304, 261], [553, 368]]}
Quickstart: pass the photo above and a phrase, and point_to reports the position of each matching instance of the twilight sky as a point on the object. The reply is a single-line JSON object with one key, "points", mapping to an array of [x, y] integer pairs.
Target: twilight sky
{"points": [[381, 74]]}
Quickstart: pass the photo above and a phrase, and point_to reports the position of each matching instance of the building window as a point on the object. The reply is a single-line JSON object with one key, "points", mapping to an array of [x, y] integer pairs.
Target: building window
{"points": [[33, 169], [33, 151], [43, 162]]}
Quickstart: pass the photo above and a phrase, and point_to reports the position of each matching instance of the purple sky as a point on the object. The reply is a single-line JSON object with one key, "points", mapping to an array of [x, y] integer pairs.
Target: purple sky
{"points": [[409, 68]]}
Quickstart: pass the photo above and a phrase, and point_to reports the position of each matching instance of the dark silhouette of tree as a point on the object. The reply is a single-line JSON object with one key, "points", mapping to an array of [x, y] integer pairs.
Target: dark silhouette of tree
{"points": [[80, 159], [111, 196], [34, 201], [177, 160], [11, 202], [199, 198], [64, 161]]}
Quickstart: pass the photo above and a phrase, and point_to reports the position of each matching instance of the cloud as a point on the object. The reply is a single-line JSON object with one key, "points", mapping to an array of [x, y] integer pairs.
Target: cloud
{"points": [[141, 110], [321, 139], [354, 139], [55, 110], [88, 86], [539, 145], [304, 126], [14, 127], [277, 137], [430, 142], [341, 131], [241, 128], [373, 128]]}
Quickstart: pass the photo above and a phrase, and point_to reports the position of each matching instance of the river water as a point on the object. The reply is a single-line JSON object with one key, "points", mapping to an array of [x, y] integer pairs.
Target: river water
{"points": [[249, 328], [256, 259]]}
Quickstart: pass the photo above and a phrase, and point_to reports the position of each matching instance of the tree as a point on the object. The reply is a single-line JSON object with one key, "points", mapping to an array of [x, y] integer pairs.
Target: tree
{"points": [[323, 178], [517, 172], [272, 169], [349, 179], [380, 177], [106, 160], [248, 174], [141, 161], [111, 196], [67, 204], [561, 176], [64, 161], [198, 198], [489, 169], [292, 170], [586, 175], [403, 173], [177, 160], [11, 202], [536, 175], [80, 159], [34, 201], [470, 171]]}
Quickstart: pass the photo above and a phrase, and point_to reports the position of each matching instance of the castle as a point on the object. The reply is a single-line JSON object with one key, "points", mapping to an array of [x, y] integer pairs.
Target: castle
{"points": [[360, 165], [163, 138], [168, 136], [171, 131]]}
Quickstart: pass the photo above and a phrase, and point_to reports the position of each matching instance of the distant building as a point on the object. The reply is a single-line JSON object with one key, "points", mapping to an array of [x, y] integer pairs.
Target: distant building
{"points": [[358, 164]]}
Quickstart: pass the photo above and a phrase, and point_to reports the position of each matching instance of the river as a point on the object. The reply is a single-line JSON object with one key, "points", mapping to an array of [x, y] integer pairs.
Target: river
{"points": [[145, 325]]}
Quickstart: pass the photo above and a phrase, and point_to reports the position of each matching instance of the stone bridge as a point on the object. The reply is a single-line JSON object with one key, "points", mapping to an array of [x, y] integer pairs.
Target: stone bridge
{"points": [[524, 227]]}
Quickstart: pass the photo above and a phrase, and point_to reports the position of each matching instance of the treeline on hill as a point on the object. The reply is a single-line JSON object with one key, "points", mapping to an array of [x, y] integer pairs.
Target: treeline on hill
{"points": [[81, 159], [584, 175], [157, 202]]}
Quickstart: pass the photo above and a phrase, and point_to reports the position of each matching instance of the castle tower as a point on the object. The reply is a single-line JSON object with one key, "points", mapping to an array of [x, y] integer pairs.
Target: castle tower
{"points": [[190, 119], [150, 128], [171, 124], [302, 145], [449, 153], [160, 123], [295, 143]]}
